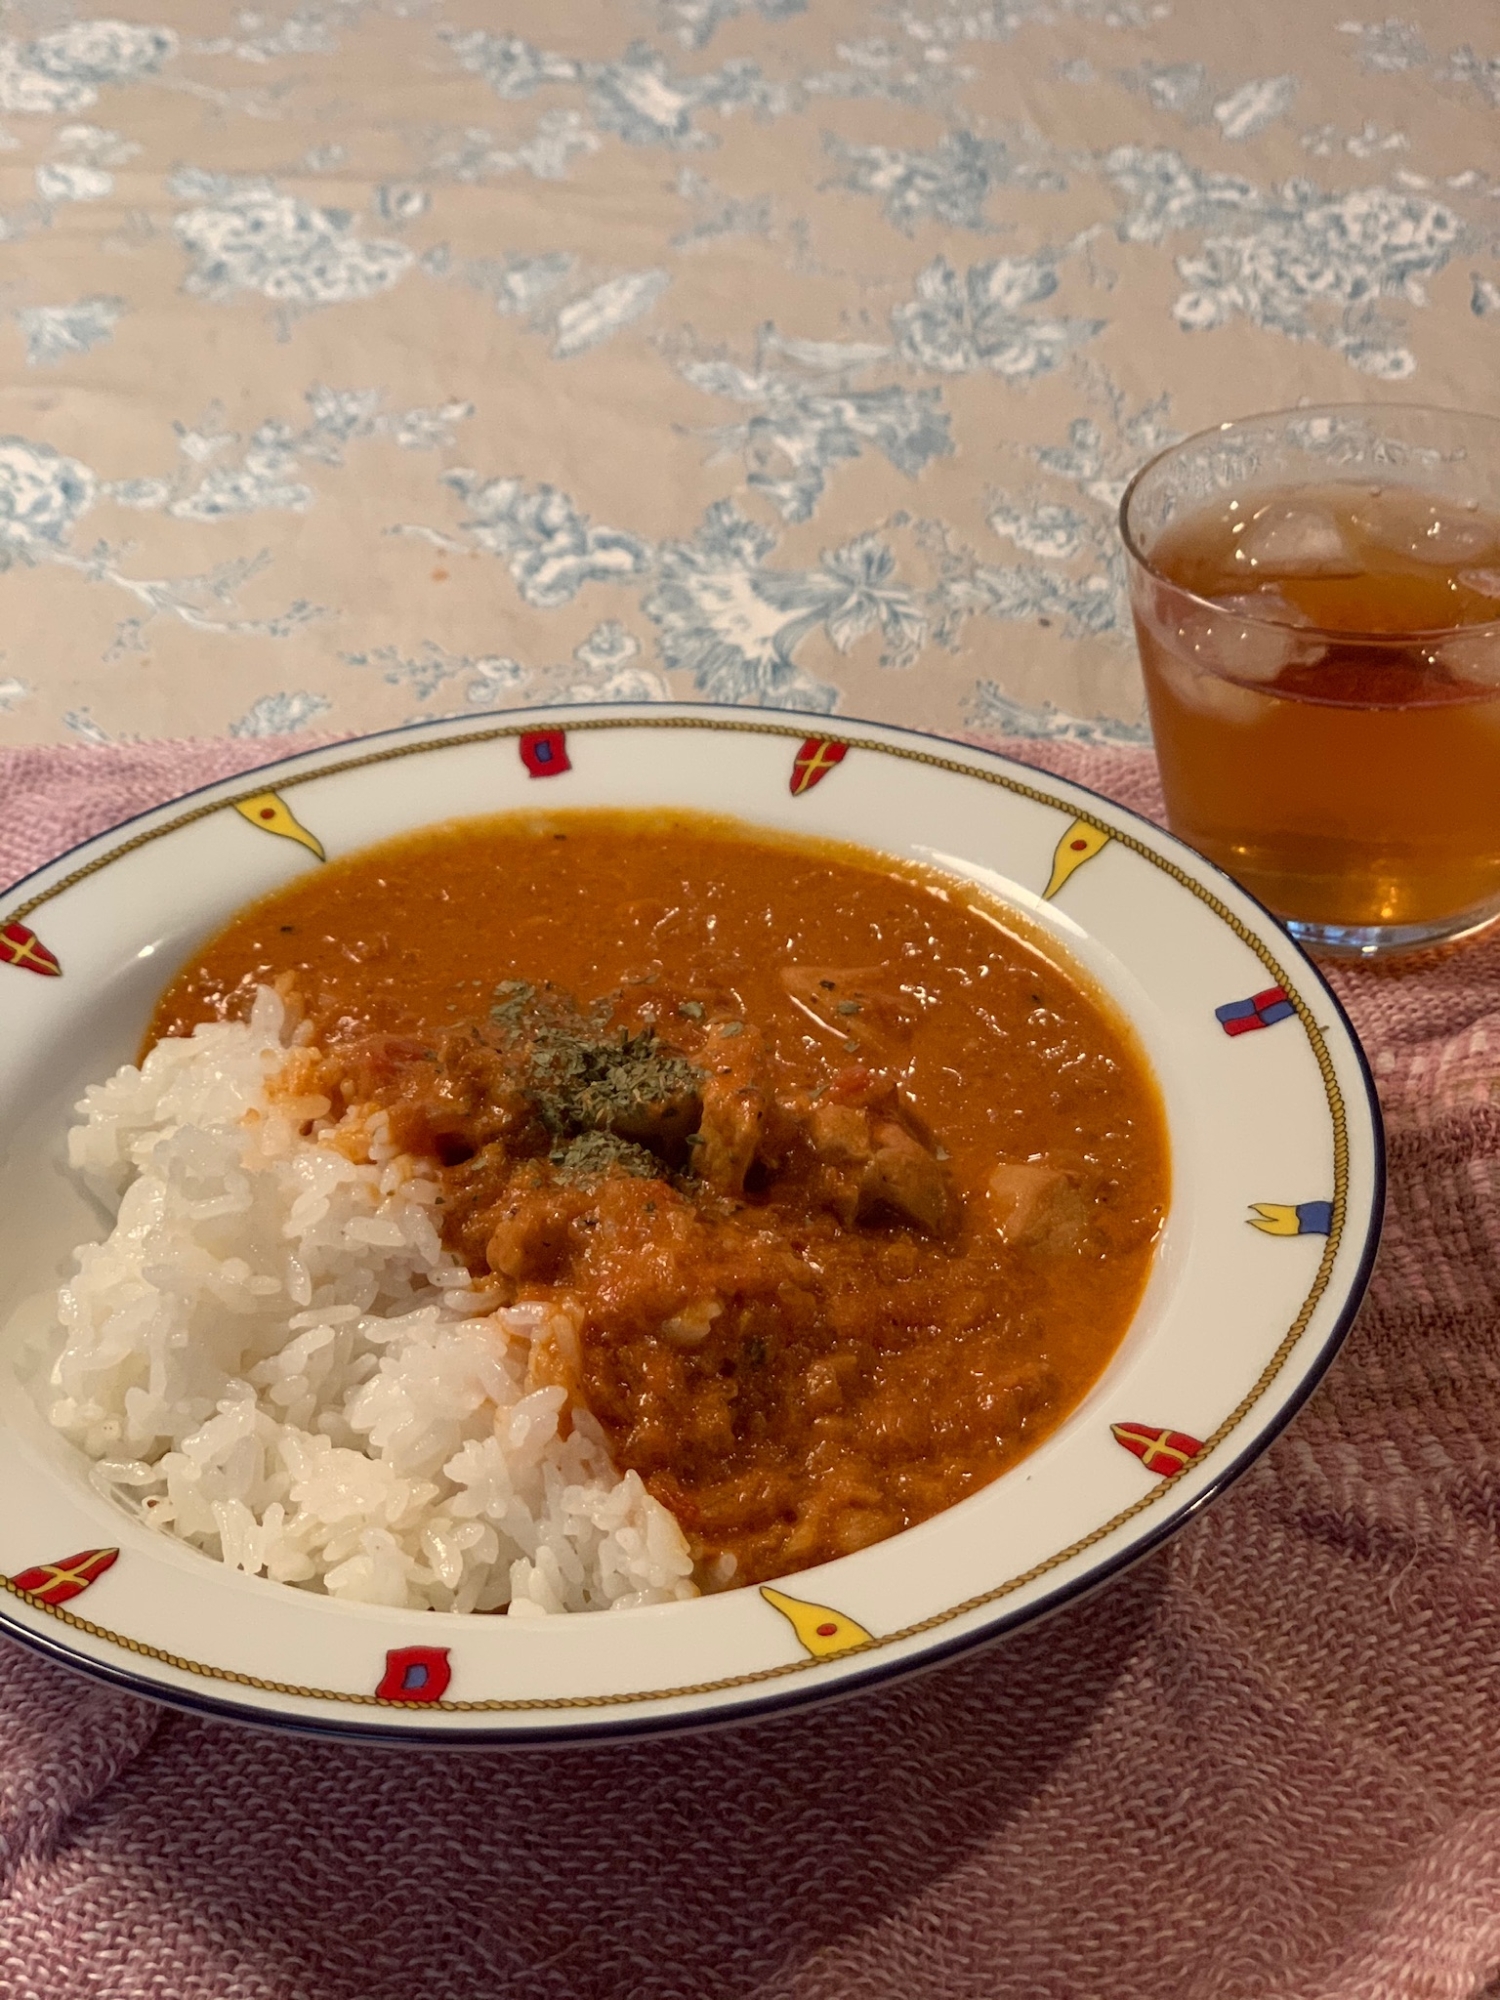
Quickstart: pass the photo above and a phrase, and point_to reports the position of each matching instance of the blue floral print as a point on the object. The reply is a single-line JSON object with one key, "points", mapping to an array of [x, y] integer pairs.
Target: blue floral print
{"points": [[63, 180], [98, 52], [586, 322], [517, 284], [950, 184], [718, 214], [42, 495], [53, 333], [734, 625], [880, 355], [551, 549], [695, 22], [1394, 45], [992, 712], [647, 105], [511, 67], [1241, 111], [808, 419], [1248, 111], [639, 97], [281, 714], [1296, 261], [554, 295], [399, 202], [956, 324], [431, 666], [1164, 193], [248, 237], [1313, 252], [65, 70]]}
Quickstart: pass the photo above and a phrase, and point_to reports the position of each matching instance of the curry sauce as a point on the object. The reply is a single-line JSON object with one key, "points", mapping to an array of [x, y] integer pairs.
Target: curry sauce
{"points": [[849, 1186]]}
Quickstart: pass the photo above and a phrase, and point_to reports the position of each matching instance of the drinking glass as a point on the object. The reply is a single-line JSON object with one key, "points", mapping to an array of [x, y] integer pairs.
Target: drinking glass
{"points": [[1316, 595]]}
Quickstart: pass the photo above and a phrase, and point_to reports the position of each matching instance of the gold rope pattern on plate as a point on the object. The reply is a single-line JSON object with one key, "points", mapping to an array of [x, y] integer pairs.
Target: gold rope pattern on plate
{"points": [[1146, 1500]]}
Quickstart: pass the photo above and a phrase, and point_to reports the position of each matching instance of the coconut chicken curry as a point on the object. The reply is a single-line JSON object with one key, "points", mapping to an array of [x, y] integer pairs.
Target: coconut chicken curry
{"points": [[847, 1185]]}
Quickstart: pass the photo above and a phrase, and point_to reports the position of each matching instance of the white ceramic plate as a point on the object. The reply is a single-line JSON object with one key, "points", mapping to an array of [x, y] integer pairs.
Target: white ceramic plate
{"points": [[1277, 1187]]}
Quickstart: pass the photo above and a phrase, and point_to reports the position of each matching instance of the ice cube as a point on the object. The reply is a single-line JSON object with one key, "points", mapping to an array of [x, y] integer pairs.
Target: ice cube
{"points": [[1266, 603], [1483, 583], [1208, 693], [1473, 656], [1249, 635], [1422, 528], [1286, 539], [1214, 656]]}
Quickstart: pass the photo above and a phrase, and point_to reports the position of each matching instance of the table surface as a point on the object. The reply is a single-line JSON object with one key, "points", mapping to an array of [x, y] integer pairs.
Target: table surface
{"points": [[370, 361]]}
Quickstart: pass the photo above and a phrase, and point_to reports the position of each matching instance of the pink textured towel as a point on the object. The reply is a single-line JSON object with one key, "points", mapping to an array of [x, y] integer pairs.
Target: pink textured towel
{"points": [[1266, 1763]]}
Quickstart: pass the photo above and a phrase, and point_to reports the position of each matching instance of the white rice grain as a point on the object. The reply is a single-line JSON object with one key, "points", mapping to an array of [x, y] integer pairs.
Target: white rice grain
{"points": [[272, 1357]]}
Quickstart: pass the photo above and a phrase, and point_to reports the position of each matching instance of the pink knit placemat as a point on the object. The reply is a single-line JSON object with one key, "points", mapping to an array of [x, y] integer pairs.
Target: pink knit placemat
{"points": [[1265, 1765]]}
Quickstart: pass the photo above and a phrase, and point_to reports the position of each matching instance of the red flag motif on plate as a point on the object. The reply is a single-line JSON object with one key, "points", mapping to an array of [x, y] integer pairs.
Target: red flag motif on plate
{"points": [[19, 945], [55, 1583], [544, 752], [815, 760], [1261, 1010], [415, 1673], [1162, 1452]]}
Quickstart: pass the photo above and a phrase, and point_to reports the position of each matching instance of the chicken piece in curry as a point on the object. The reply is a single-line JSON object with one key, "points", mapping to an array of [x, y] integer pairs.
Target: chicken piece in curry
{"points": [[847, 1186]]}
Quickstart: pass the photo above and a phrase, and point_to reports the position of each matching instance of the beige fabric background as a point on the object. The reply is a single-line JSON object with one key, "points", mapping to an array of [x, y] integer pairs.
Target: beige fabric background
{"points": [[374, 361]]}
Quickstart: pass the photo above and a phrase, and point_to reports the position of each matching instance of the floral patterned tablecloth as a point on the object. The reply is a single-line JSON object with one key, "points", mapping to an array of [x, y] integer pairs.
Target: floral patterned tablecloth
{"points": [[376, 359]]}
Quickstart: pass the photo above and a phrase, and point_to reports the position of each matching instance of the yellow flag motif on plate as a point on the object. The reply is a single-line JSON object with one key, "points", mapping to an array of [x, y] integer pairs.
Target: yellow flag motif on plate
{"points": [[1080, 843], [822, 1631], [1286, 1218], [271, 813]]}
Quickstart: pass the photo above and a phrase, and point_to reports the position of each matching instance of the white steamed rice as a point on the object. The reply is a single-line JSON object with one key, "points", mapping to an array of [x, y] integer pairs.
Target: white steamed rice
{"points": [[272, 1357]]}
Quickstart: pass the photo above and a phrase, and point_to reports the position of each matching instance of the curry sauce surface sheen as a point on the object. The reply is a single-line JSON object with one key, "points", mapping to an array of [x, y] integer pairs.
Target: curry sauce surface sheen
{"points": [[851, 1186]]}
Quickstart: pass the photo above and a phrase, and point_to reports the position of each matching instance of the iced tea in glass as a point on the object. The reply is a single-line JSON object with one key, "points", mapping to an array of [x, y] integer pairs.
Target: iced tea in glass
{"points": [[1317, 600]]}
